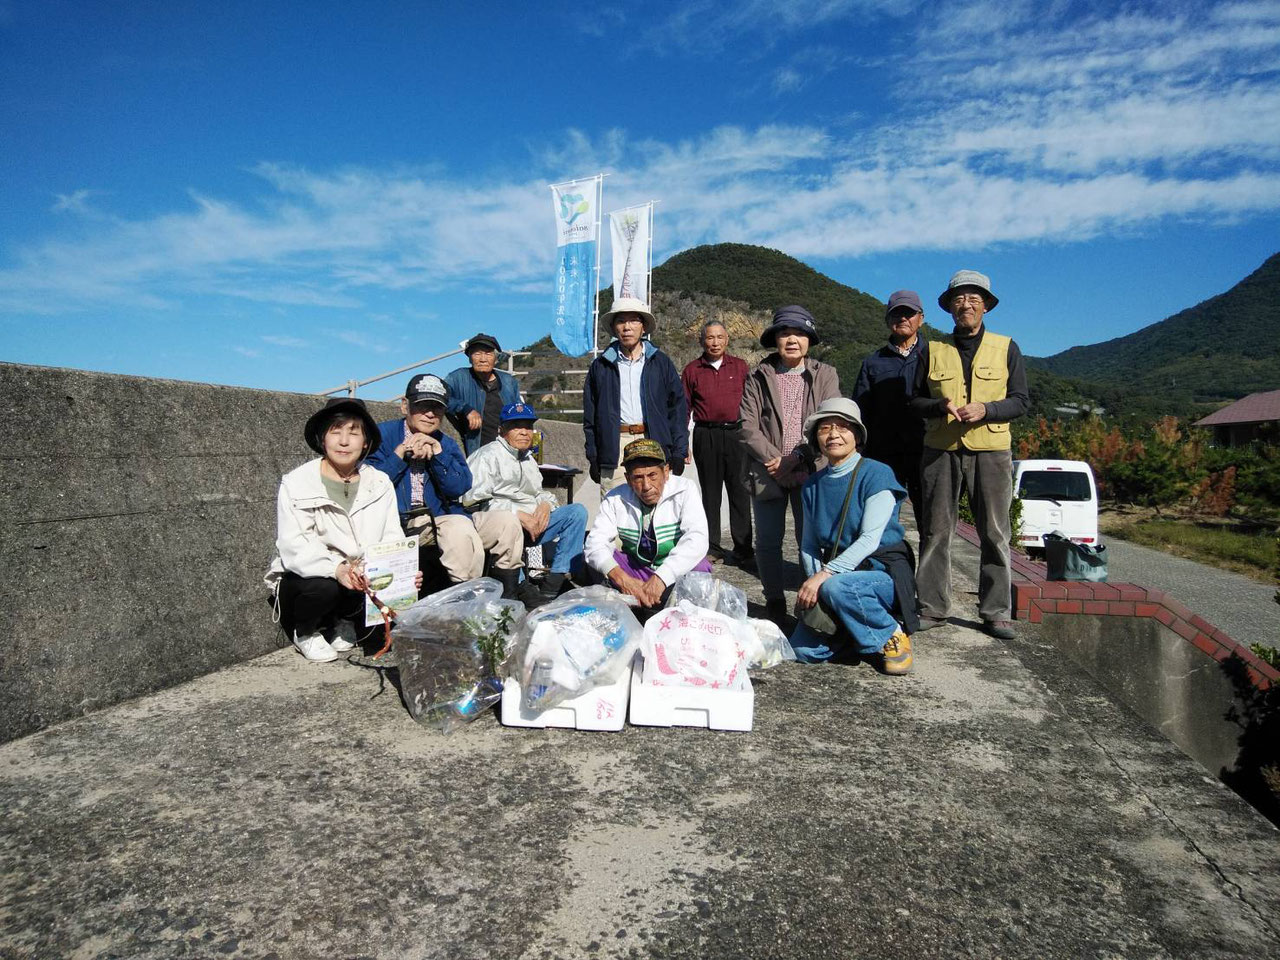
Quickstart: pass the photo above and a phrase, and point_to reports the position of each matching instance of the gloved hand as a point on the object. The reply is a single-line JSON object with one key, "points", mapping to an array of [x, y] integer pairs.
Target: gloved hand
{"points": [[594, 472], [677, 467]]}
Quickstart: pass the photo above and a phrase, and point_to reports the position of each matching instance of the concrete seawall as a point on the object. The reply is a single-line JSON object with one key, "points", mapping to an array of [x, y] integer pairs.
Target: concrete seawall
{"points": [[139, 521]]}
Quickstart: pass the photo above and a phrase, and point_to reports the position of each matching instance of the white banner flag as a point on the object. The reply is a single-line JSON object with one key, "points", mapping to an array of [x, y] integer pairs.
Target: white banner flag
{"points": [[630, 231]]}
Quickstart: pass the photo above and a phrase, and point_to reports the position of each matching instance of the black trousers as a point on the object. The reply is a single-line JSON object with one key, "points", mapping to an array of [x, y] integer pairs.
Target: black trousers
{"points": [[721, 458], [308, 604]]}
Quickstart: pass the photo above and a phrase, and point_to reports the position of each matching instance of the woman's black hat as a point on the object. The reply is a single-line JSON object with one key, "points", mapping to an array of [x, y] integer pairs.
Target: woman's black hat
{"points": [[318, 423]]}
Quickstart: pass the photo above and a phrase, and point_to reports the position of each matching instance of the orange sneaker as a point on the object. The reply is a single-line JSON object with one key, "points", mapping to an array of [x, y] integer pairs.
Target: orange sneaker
{"points": [[896, 656]]}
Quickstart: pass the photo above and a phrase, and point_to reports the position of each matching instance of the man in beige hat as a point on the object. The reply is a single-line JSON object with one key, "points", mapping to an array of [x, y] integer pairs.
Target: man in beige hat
{"points": [[972, 386], [632, 391]]}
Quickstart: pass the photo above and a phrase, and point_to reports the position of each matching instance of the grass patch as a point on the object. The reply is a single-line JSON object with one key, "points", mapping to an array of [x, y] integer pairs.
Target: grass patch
{"points": [[1253, 554]]}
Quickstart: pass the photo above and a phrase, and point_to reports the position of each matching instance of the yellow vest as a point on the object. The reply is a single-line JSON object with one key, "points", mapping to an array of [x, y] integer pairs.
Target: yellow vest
{"points": [[990, 382]]}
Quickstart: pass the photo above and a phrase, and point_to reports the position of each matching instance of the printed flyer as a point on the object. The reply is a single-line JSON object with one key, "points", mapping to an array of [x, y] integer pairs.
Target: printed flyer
{"points": [[391, 568]]}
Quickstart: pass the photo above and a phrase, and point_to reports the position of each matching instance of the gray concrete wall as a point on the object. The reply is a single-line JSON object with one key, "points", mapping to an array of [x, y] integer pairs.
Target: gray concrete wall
{"points": [[1170, 683], [139, 520]]}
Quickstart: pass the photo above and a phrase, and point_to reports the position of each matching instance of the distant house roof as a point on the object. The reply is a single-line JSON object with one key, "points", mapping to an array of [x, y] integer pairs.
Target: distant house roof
{"points": [[1255, 408]]}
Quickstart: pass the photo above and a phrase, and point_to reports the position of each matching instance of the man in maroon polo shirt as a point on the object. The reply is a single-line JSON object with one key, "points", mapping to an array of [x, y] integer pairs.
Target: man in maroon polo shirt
{"points": [[713, 385]]}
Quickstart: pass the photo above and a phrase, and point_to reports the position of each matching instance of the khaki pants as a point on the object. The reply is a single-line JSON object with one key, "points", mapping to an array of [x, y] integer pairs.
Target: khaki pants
{"points": [[617, 476], [464, 540]]}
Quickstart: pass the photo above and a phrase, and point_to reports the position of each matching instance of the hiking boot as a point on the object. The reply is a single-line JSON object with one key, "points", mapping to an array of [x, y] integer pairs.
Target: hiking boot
{"points": [[928, 623], [1000, 629], [315, 648], [896, 656], [510, 580], [344, 636], [550, 588]]}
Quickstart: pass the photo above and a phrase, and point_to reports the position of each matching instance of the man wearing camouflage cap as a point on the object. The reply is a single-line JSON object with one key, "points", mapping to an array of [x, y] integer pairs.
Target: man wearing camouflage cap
{"points": [[971, 387], [659, 519]]}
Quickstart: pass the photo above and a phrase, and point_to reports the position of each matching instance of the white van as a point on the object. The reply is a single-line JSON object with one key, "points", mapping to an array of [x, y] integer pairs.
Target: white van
{"points": [[1056, 495]]}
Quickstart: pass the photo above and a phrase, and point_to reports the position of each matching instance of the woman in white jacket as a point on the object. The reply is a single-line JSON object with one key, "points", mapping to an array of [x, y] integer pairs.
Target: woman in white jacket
{"points": [[327, 512]]}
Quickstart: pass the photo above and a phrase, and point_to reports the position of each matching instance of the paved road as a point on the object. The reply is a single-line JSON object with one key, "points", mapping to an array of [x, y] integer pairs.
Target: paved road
{"points": [[1242, 607], [994, 803]]}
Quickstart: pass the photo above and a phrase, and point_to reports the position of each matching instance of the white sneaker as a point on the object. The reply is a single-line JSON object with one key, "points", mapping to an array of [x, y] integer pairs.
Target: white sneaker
{"points": [[315, 648], [344, 636]]}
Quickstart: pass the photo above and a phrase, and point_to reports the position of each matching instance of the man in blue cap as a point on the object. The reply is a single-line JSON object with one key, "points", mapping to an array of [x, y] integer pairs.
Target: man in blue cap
{"points": [[505, 477], [895, 433]]}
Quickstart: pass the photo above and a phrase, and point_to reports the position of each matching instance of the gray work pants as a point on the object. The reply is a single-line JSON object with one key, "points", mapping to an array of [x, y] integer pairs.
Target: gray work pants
{"points": [[988, 476]]}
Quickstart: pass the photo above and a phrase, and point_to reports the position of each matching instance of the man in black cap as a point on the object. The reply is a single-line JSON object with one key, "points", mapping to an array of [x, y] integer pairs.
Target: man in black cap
{"points": [[895, 434], [478, 393], [431, 477]]}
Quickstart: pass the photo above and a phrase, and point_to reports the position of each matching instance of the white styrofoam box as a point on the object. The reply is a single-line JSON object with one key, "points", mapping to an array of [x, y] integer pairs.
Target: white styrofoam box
{"points": [[600, 708], [726, 708]]}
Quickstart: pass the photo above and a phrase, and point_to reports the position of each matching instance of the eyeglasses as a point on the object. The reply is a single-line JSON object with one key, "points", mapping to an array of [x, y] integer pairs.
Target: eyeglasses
{"points": [[976, 299], [899, 315], [826, 429]]}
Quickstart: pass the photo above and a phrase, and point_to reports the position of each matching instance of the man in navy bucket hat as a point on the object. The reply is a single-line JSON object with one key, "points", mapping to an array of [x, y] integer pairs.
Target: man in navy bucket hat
{"points": [[505, 477]]}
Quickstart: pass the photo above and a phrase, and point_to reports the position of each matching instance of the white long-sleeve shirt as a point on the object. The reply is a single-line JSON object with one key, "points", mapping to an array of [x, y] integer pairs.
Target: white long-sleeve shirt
{"points": [[504, 479], [678, 520]]}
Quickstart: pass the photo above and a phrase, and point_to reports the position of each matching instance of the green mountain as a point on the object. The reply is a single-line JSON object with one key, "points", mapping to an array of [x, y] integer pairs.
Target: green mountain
{"points": [[740, 285], [1219, 350]]}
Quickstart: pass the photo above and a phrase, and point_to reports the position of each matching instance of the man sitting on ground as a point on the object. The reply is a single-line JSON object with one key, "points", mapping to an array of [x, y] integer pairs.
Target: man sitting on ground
{"points": [[505, 477], [430, 476], [659, 518]]}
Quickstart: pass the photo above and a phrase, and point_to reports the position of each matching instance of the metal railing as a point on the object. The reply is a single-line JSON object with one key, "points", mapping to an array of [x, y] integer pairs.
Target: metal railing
{"points": [[351, 386]]}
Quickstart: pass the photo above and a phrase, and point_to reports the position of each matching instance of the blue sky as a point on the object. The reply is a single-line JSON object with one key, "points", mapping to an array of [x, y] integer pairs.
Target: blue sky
{"points": [[289, 195]]}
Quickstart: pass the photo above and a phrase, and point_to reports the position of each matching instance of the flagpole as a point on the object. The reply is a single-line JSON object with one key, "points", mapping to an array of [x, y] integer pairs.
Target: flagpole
{"points": [[595, 291], [649, 282]]}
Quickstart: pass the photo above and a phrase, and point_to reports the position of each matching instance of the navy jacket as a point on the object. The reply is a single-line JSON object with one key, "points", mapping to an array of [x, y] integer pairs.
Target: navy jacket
{"points": [[666, 413], [883, 388], [447, 478], [465, 395]]}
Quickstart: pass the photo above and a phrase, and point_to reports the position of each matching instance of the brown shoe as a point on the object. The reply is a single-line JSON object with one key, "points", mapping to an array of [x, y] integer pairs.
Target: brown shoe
{"points": [[896, 655]]}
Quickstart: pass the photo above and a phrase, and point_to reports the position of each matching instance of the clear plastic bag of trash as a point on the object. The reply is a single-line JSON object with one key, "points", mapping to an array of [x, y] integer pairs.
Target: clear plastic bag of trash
{"points": [[765, 645], [451, 649], [691, 646], [584, 638], [705, 591]]}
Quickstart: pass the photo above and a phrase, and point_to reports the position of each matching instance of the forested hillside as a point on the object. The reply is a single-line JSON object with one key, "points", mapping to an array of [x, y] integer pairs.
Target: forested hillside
{"points": [[1219, 350]]}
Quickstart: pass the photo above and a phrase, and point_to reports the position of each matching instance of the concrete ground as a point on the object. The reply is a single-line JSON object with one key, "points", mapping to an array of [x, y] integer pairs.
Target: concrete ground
{"points": [[1243, 608], [994, 803]]}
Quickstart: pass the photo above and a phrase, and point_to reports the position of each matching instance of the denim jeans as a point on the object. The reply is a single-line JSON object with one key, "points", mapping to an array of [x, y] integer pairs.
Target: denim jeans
{"points": [[568, 527], [771, 524], [861, 603]]}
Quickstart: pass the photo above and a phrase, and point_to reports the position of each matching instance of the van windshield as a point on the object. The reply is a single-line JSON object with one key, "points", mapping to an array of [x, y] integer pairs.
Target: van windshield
{"points": [[1054, 485]]}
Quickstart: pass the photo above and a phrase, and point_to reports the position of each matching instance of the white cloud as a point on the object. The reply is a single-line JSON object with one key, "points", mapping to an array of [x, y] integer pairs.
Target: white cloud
{"points": [[1046, 128], [74, 202], [291, 342]]}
